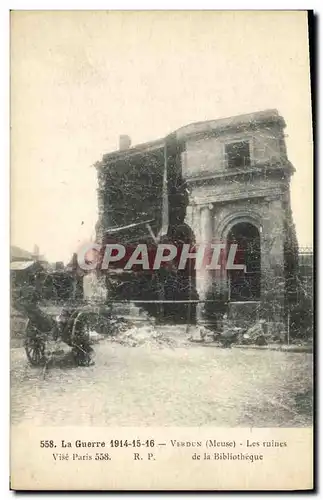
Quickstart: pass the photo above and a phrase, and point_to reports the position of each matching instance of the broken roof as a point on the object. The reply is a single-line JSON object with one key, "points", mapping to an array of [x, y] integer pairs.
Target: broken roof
{"points": [[21, 265], [203, 127]]}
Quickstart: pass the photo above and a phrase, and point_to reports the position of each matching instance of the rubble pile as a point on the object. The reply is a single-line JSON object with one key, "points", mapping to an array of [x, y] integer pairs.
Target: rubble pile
{"points": [[199, 333], [129, 332], [255, 335], [261, 333], [144, 335]]}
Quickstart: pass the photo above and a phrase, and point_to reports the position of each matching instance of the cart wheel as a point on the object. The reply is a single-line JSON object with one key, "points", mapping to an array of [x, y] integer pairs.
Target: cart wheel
{"points": [[35, 349], [82, 350]]}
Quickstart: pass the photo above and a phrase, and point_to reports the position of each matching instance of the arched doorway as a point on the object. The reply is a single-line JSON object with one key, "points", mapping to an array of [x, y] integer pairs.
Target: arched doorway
{"points": [[244, 285]]}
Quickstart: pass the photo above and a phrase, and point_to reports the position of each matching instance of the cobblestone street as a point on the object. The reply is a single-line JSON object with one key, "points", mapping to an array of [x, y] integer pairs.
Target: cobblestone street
{"points": [[190, 385]]}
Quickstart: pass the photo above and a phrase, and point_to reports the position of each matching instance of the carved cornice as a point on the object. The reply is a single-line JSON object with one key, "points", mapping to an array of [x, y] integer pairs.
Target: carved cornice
{"points": [[260, 169], [266, 194]]}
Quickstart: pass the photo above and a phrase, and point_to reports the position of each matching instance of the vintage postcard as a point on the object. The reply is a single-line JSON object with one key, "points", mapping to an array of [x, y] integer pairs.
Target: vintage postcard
{"points": [[161, 251]]}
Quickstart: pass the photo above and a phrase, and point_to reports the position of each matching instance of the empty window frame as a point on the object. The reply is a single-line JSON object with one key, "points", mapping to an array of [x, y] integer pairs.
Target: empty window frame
{"points": [[237, 154]]}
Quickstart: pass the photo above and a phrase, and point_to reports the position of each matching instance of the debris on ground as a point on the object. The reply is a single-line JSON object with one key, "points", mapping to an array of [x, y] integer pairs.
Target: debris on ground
{"points": [[146, 335], [255, 334], [200, 333], [117, 325], [229, 332], [95, 337], [230, 336]]}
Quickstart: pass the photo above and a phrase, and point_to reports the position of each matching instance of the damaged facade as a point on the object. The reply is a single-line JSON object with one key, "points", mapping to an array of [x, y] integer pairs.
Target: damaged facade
{"points": [[228, 180]]}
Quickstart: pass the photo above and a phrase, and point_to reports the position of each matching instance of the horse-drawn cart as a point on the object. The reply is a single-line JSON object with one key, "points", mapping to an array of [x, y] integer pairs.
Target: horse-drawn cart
{"points": [[72, 325], [52, 318]]}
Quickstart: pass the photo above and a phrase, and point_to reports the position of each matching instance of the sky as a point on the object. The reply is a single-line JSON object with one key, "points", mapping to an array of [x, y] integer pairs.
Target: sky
{"points": [[79, 79]]}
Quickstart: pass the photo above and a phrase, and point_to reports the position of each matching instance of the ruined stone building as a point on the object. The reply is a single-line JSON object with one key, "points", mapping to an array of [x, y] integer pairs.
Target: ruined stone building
{"points": [[228, 180]]}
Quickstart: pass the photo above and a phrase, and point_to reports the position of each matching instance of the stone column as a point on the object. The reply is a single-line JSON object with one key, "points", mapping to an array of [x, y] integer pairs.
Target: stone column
{"points": [[203, 275], [100, 222], [189, 215], [193, 218], [272, 263]]}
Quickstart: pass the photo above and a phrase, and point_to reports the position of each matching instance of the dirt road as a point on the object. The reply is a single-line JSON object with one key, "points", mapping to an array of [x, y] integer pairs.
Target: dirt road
{"points": [[183, 386]]}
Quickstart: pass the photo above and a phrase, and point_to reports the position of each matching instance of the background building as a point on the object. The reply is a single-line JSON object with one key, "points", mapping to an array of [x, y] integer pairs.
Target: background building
{"points": [[228, 181]]}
